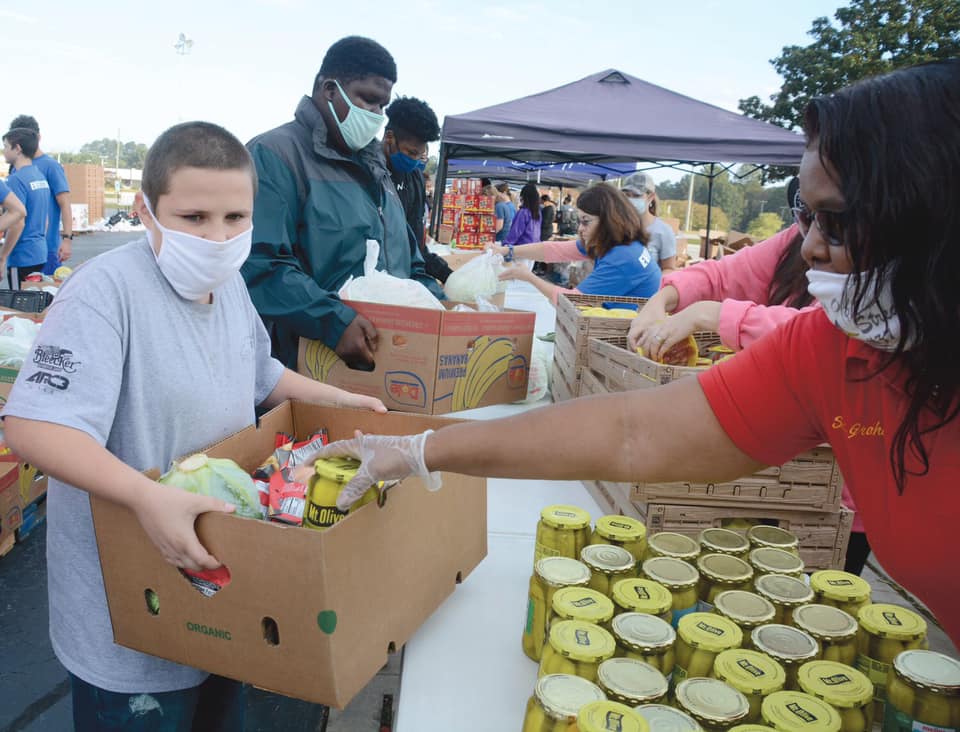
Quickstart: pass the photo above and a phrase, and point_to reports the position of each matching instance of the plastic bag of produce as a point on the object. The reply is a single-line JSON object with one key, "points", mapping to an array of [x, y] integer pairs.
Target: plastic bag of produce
{"points": [[538, 382], [377, 286], [16, 340], [480, 277], [218, 477]]}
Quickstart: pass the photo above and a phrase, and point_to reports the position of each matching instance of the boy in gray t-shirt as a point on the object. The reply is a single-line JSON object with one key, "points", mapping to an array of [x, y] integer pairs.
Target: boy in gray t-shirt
{"points": [[149, 352]]}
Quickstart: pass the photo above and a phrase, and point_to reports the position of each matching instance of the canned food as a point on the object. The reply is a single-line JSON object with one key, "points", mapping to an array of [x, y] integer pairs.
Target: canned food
{"points": [[608, 565], [840, 589], [746, 609], [793, 711], [834, 629], [767, 560], [788, 646], [576, 648], [719, 573], [843, 688], [674, 546], [753, 674], [642, 596], [713, 704], [562, 531], [885, 632], [724, 541], [662, 718], [785, 593], [680, 578], [645, 638], [622, 531], [923, 693], [331, 475], [700, 637], [549, 575], [603, 716], [631, 682], [558, 698], [580, 603], [774, 537]]}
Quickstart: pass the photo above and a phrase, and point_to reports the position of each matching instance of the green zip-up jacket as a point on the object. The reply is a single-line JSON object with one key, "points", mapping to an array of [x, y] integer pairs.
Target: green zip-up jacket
{"points": [[314, 211]]}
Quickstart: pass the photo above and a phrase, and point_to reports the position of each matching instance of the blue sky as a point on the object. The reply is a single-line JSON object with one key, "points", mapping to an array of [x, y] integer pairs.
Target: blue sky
{"points": [[87, 69]]}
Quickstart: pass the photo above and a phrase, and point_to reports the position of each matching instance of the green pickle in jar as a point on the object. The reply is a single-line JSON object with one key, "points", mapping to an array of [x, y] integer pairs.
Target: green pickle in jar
{"points": [[773, 537], [672, 545], [724, 541], [608, 565], [753, 674], [563, 531], [834, 629], [746, 609], [622, 531], [923, 693], [788, 646], [785, 593], [720, 573], [844, 688], [646, 638], [631, 682], [700, 638], [556, 700], [663, 718], [680, 578], [608, 716], [840, 589], [643, 596], [580, 603], [712, 703], [794, 711], [550, 574], [767, 560], [576, 648]]}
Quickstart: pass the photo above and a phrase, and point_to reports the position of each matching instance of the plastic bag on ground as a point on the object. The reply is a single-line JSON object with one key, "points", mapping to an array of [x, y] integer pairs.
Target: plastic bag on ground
{"points": [[383, 288], [480, 277]]}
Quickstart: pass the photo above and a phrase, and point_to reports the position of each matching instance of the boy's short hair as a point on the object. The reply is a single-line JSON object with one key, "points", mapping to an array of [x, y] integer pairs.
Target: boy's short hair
{"points": [[355, 57], [192, 145], [27, 139], [25, 120], [409, 117]]}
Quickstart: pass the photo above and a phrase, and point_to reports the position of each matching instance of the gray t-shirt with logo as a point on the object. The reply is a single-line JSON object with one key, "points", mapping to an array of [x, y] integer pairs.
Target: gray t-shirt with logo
{"points": [[152, 377]]}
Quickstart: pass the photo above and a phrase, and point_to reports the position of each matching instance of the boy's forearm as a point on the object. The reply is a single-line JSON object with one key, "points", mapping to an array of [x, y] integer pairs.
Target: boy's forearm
{"points": [[66, 213], [13, 236]]}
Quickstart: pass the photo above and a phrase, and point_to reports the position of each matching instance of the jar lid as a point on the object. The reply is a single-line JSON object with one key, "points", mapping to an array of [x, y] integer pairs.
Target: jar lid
{"points": [[644, 632], [784, 643], [562, 571], [782, 589], [750, 728], [744, 608], [773, 536], [775, 561], [562, 695], [581, 641], [929, 670], [600, 716], [836, 683], [840, 586], [582, 603], [670, 544], [565, 517], [724, 568], [620, 528], [711, 701], [749, 672], [662, 718], [723, 541], [607, 558], [825, 622], [674, 574], [633, 681], [892, 621], [713, 633], [791, 711], [642, 596]]}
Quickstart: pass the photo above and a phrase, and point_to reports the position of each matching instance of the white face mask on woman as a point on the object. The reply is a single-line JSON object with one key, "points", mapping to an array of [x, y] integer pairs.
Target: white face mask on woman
{"points": [[642, 204]]}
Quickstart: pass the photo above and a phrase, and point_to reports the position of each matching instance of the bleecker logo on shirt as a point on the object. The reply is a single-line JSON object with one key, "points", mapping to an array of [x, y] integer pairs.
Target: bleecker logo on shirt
{"points": [[858, 429], [54, 358]]}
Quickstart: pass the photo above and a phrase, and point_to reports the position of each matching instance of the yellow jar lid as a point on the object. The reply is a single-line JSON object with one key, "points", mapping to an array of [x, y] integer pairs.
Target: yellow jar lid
{"points": [[749, 672], [601, 716], [642, 596], [840, 586], [710, 632], [562, 571], [670, 544], [782, 589], [791, 711], [662, 718], [724, 568], [674, 574], [643, 632], [785, 643], [775, 561], [929, 670], [337, 469], [724, 541], [582, 603], [750, 728], [581, 641], [825, 622], [632, 680], [744, 608], [562, 695], [607, 558], [711, 701], [620, 528], [773, 536], [892, 621], [836, 683], [565, 517]]}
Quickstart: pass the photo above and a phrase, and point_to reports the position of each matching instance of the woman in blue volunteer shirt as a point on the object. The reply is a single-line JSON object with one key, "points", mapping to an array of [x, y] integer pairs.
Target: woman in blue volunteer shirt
{"points": [[610, 234]]}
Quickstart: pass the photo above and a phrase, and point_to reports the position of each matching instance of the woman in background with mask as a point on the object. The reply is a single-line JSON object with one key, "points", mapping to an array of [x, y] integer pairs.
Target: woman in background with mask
{"points": [[662, 242]]}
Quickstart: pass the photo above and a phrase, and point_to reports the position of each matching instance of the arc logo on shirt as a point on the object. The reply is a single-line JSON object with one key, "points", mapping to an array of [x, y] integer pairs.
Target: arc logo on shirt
{"points": [[858, 429], [45, 378], [38, 185], [54, 358], [645, 257]]}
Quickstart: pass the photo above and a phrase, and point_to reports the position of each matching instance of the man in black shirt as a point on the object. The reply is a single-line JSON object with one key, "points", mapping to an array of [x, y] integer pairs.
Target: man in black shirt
{"points": [[548, 213]]}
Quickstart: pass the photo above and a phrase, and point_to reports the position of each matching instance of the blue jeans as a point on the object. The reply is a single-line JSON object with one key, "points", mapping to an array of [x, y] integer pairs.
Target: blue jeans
{"points": [[217, 705]]}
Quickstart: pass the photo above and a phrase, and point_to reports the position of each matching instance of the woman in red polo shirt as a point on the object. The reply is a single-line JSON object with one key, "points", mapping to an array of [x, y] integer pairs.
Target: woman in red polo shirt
{"points": [[874, 373]]}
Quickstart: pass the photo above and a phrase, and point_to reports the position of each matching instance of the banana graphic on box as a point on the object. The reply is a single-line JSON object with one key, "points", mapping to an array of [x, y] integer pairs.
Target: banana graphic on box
{"points": [[319, 359], [488, 361]]}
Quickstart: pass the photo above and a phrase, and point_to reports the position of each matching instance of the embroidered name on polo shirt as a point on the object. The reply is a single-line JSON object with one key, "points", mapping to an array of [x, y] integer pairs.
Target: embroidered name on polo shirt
{"points": [[858, 429]]}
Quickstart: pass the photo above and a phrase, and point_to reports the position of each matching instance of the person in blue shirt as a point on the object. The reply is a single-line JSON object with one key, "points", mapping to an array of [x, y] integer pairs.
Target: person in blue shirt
{"points": [[24, 248], [59, 243], [504, 211], [610, 234], [13, 209]]}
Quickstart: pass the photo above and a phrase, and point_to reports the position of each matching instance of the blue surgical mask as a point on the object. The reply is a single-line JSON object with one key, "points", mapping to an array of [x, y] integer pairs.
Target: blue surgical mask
{"points": [[360, 126], [403, 163]]}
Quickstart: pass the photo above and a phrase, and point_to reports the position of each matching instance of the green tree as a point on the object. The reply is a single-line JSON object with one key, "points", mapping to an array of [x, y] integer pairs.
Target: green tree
{"points": [[765, 226], [698, 217]]}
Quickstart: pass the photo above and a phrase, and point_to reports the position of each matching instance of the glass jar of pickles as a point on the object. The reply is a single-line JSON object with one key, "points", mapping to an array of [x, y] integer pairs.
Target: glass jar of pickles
{"points": [[549, 575], [750, 728], [631, 682], [680, 578], [719, 573], [608, 564], [674, 546], [724, 541], [788, 646], [713, 704], [576, 648], [603, 716], [563, 531], [840, 589], [785, 593], [645, 638], [885, 632], [752, 674], [746, 609], [700, 637], [580, 603], [843, 688], [773, 537], [662, 718], [643, 596], [556, 700], [622, 531], [767, 560], [923, 693], [794, 711], [833, 629]]}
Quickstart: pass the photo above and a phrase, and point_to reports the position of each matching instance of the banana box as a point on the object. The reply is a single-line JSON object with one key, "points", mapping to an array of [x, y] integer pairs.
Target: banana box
{"points": [[433, 361]]}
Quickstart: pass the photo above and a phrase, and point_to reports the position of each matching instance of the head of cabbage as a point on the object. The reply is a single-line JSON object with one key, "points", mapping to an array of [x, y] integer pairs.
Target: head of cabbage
{"points": [[218, 477]]}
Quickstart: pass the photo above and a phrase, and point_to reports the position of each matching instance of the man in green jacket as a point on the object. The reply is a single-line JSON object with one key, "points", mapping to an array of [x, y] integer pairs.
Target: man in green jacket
{"points": [[324, 191]]}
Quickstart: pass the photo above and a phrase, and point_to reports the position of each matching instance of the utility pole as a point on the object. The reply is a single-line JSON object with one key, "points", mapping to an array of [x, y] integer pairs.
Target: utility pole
{"points": [[686, 223]]}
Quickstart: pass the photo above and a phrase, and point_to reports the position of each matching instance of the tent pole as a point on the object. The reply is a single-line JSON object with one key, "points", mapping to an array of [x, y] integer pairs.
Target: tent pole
{"points": [[439, 187], [706, 250]]}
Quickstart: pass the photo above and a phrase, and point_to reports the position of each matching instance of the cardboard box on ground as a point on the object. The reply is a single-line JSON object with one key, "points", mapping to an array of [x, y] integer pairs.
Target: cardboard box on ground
{"points": [[309, 614]]}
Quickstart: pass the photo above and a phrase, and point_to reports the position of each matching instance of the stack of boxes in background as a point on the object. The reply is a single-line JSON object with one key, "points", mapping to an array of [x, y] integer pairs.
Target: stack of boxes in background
{"points": [[86, 193], [467, 220]]}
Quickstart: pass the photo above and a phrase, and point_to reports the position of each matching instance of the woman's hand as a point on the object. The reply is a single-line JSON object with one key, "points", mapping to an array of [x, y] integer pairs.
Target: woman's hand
{"points": [[651, 316], [518, 271], [657, 340], [360, 401], [497, 249]]}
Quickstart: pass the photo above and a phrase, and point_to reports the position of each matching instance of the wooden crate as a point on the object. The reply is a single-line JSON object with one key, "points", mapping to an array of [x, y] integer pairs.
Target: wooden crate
{"points": [[561, 386], [620, 369], [613, 498]]}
